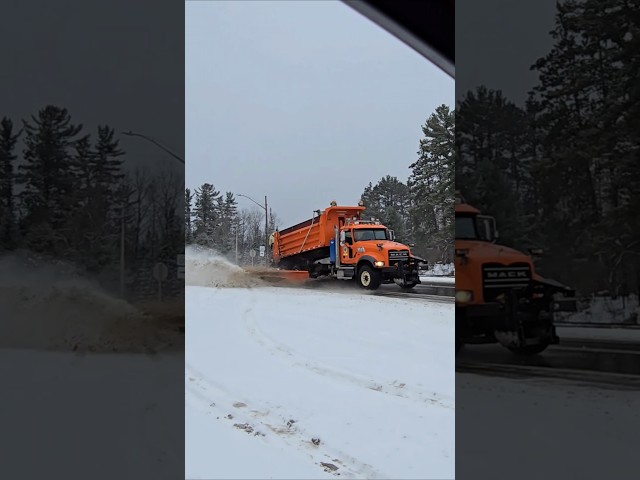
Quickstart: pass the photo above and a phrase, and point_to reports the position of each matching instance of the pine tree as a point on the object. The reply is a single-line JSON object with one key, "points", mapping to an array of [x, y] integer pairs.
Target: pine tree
{"points": [[432, 183], [49, 179], [8, 141], [389, 201], [188, 230], [205, 215]]}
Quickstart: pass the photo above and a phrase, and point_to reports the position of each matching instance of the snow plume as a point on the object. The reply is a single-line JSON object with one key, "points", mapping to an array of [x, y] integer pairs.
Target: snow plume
{"points": [[51, 305], [207, 268]]}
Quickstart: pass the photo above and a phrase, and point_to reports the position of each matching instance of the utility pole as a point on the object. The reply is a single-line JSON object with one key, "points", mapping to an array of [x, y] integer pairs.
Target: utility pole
{"points": [[237, 227], [122, 252], [266, 232], [266, 222]]}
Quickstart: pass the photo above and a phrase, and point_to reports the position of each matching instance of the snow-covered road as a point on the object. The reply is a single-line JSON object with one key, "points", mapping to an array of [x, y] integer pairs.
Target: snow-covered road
{"points": [[268, 370]]}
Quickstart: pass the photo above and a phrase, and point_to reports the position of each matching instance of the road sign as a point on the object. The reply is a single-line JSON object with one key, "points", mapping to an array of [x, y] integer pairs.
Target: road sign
{"points": [[252, 253], [262, 250], [160, 271]]}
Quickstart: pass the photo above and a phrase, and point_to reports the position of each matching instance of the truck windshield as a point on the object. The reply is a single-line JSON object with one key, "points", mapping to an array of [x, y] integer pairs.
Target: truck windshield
{"points": [[466, 228], [363, 234], [475, 228]]}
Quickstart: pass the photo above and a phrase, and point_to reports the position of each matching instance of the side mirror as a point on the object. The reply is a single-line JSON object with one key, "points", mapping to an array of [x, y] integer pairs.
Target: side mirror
{"points": [[392, 235], [536, 252], [342, 236], [412, 245]]}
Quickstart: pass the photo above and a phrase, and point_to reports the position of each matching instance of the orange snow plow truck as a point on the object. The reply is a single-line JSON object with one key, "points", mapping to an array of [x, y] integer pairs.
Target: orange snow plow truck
{"points": [[499, 295], [337, 243]]}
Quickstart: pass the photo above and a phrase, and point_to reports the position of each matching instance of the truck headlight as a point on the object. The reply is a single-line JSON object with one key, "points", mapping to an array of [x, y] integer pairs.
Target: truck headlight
{"points": [[464, 296], [379, 264]]}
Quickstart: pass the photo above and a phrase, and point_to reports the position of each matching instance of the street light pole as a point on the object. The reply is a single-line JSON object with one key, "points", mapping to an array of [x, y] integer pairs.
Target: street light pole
{"points": [[148, 139], [163, 148], [266, 232], [266, 223]]}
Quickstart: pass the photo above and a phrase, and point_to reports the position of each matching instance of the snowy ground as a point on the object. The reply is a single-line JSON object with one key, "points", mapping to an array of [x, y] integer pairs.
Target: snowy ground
{"points": [[544, 429], [62, 412], [63, 404], [268, 370]]}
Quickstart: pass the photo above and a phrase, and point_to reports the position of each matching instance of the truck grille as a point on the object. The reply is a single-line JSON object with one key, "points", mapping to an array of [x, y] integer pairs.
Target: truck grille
{"points": [[398, 255], [498, 279]]}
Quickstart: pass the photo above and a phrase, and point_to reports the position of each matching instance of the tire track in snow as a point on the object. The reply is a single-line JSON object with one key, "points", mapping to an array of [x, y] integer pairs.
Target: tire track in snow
{"points": [[394, 388], [212, 398]]}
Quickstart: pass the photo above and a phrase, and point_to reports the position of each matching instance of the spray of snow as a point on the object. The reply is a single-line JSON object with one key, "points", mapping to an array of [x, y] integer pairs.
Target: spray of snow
{"points": [[50, 305], [207, 268]]}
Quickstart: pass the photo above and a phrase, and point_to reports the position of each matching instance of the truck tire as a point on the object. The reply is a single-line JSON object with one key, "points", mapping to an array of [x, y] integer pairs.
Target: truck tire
{"points": [[368, 278]]}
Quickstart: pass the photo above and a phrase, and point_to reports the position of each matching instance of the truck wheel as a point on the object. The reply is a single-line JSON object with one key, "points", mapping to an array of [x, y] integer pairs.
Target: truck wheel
{"points": [[368, 278]]}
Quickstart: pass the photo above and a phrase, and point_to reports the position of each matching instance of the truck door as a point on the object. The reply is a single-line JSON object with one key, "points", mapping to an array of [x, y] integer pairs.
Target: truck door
{"points": [[347, 252]]}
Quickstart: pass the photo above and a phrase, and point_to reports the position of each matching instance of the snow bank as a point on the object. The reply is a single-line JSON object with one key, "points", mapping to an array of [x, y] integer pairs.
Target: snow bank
{"points": [[605, 310], [207, 268], [440, 270], [445, 281], [50, 305]]}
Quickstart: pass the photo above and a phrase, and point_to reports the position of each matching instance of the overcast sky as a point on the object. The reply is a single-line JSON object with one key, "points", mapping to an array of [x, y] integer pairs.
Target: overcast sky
{"points": [[118, 63], [498, 40], [305, 102]]}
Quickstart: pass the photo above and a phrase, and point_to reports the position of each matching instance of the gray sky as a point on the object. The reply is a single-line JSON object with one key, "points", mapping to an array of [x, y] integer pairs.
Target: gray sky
{"points": [[498, 40], [305, 102], [117, 63]]}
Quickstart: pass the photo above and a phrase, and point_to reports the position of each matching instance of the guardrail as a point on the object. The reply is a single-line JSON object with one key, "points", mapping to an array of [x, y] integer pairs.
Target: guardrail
{"points": [[631, 326]]}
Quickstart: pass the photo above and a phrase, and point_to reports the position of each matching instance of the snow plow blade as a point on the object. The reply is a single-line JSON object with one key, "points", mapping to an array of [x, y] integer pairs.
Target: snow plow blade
{"points": [[280, 276]]}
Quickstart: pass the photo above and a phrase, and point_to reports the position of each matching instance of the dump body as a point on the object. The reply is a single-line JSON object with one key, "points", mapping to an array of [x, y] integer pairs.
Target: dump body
{"points": [[313, 235], [338, 243]]}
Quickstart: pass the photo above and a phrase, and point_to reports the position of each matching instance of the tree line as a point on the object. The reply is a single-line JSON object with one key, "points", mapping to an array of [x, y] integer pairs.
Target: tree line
{"points": [[68, 196], [212, 220], [419, 210], [560, 171]]}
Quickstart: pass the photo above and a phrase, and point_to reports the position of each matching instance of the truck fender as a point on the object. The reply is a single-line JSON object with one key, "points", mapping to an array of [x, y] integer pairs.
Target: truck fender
{"points": [[366, 259]]}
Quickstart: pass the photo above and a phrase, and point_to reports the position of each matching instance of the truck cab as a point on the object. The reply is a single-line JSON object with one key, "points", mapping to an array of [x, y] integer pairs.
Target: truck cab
{"points": [[499, 295], [369, 252]]}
